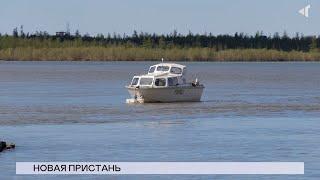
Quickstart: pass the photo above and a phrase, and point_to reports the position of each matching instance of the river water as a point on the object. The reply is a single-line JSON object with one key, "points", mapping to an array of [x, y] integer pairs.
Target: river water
{"points": [[76, 111]]}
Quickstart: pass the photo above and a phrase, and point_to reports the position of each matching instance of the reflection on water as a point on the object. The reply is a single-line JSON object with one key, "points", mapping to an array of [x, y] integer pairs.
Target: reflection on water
{"points": [[105, 114]]}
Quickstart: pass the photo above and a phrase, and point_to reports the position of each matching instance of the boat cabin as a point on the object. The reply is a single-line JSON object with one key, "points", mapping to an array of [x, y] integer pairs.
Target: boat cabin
{"points": [[168, 68], [161, 75]]}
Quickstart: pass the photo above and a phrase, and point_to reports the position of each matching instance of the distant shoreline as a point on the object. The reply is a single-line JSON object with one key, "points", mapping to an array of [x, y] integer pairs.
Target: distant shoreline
{"points": [[153, 54], [239, 47]]}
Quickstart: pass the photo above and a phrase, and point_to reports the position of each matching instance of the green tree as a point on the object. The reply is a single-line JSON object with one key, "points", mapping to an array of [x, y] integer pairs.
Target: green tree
{"points": [[77, 34], [22, 34], [15, 32], [147, 43], [313, 45], [162, 42]]}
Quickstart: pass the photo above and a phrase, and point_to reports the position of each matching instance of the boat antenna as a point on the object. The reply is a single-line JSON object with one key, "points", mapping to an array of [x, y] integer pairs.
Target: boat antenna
{"points": [[162, 59]]}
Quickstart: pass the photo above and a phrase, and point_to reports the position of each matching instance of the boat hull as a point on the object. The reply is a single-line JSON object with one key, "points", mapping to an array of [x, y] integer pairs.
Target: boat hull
{"points": [[167, 94]]}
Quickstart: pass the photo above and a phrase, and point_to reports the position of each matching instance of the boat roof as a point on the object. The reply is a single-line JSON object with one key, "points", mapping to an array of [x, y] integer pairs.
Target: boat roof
{"points": [[167, 74], [161, 75], [170, 64]]}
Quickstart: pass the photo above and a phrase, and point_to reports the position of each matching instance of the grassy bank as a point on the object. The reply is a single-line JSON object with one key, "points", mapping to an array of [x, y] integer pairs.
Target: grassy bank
{"points": [[144, 46], [140, 53]]}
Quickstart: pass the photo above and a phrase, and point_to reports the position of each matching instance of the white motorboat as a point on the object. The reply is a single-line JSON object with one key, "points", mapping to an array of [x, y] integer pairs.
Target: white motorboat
{"points": [[164, 82]]}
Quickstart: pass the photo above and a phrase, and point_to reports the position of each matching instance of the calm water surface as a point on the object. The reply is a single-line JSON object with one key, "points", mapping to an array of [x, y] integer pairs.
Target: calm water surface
{"points": [[76, 111]]}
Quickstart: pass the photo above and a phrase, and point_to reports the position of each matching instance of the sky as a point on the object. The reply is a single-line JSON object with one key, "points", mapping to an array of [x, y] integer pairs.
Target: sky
{"points": [[160, 16]]}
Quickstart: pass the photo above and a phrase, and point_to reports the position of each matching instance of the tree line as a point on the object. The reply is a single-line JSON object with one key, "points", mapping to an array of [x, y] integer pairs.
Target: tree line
{"points": [[42, 39]]}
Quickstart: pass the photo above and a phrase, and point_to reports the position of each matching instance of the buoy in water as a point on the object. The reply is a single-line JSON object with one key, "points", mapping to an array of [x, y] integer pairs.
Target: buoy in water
{"points": [[4, 146], [11, 146]]}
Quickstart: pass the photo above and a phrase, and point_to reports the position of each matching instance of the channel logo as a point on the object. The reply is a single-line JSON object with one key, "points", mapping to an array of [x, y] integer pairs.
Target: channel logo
{"points": [[305, 11]]}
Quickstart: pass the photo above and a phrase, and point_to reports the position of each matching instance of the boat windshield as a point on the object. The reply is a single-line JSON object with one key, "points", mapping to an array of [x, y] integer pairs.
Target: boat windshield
{"points": [[175, 70], [163, 68], [135, 81], [146, 81], [152, 68]]}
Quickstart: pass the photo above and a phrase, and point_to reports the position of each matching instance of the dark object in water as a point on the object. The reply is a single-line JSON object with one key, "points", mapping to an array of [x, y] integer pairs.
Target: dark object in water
{"points": [[4, 146], [11, 146]]}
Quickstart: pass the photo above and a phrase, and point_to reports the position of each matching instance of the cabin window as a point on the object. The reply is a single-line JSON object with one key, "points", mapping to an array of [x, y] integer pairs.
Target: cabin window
{"points": [[146, 81], [176, 70], [160, 82], [135, 81], [173, 81], [163, 68], [152, 68]]}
